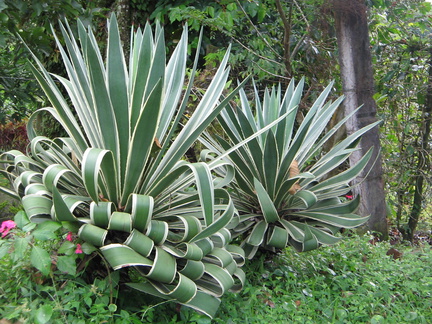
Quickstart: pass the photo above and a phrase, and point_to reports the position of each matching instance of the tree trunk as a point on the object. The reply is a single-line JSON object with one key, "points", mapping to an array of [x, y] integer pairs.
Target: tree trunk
{"points": [[287, 34], [122, 11], [423, 165], [358, 86]]}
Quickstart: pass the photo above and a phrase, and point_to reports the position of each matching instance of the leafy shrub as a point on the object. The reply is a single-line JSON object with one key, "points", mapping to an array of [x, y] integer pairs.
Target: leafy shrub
{"points": [[39, 281], [13, 135]]}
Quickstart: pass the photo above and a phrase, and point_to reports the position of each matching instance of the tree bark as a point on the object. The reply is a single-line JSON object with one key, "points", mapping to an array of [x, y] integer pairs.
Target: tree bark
{"points": [[287, 34], [358, 86], [124, 19]]}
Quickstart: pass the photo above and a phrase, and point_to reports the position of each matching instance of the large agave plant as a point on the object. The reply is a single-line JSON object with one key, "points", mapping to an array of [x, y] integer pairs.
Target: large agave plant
{"points": [[282, 187], [120, 173]]}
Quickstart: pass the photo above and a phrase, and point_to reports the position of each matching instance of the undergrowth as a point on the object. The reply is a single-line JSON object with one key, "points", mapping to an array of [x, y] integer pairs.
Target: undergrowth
{"points": [[354, 281]]}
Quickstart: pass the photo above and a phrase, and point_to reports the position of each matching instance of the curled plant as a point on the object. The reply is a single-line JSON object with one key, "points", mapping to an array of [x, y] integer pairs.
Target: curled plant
{"points": [[120, 172], [286, 189]]}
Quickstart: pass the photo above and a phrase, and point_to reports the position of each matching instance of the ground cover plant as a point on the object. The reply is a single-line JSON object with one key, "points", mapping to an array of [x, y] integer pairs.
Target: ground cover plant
{"points": [[358, 280], [355, 281]]}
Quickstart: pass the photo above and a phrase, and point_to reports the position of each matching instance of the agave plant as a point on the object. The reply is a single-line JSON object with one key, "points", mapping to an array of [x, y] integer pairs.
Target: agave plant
{"points": [[286, 189], [121, 172]]}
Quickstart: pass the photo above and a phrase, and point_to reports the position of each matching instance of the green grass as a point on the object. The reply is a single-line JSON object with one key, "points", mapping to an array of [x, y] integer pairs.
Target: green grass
{"points": [[351, 282]]}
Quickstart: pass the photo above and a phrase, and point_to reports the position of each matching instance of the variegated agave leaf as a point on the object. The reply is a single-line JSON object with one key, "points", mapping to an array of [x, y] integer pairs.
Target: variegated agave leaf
{"points": [[120, 172], [280, 188]]}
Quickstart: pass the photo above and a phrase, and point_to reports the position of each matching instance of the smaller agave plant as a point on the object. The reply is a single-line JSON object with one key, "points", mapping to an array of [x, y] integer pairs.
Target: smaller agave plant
{"points": [[120, 174], [286, 189]]}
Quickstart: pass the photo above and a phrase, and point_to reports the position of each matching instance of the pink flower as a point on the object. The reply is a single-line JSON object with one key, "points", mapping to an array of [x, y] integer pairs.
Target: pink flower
{"points": [[78, 249], [350, 197], [69, 237], [6, 226]]}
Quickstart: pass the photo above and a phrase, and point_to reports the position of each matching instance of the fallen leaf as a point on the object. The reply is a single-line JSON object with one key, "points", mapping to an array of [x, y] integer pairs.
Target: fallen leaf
{"points": [[268, 302], [395, 253]]}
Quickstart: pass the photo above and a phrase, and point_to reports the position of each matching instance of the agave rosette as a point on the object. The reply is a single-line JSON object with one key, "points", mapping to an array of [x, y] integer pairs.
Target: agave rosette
{"points": [[121, 174], [286, 189]]}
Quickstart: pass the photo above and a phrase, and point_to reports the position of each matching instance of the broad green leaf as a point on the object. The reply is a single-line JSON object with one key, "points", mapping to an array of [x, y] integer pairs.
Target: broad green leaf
{"points": [[41, 260], [67, 264], [21, 219], [87, 248], [20, 246], [46, 231], [43, 314], [67, 248]]}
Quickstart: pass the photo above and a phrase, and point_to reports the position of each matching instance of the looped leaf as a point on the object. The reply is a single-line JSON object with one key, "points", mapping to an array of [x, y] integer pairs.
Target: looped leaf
{"points": [[192, 269], [157, 231], [141, 209], [93, 234], [303, 199], [121, 171], [267, 206], [64, 207], [183, 291], [28, 177], [184, 229], [99, 167], [185, 251], [221, 238], [140, 243], [100, 213], [36, 189], [215, 280], [52, 175], [278, 237], [37, 207], [222, 221], [220, 257], [256, 237], [120, 222]]}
